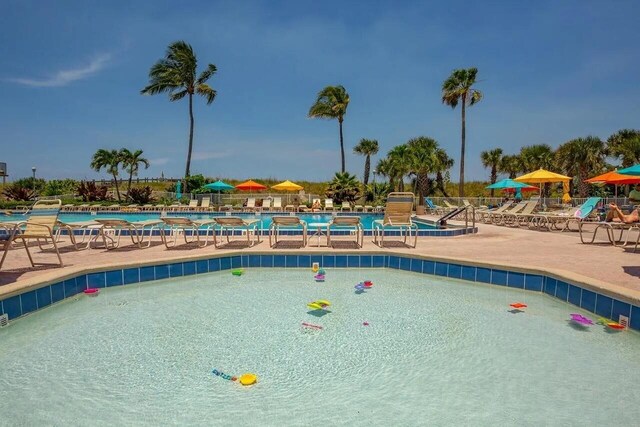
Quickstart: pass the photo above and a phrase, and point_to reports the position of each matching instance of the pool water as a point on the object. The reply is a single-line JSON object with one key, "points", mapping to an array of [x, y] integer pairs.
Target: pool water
{"points": [[435, 352], [265, 219]]}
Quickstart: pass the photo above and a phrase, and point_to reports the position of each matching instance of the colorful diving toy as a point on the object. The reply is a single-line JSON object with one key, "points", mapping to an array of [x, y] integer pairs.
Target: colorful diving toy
{"points": [[223, 375], [92, 292], [518, 305], [360, 287], [315, 267], [320, 304], [248, 379], [319, 277], [580, 320], [237, 272], [311, 326]]}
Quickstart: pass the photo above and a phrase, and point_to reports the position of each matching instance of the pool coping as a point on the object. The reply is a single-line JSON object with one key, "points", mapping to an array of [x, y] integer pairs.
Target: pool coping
{"points": [[563, 282]]}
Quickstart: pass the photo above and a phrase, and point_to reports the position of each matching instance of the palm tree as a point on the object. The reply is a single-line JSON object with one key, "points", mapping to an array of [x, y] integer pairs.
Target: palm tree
{"points": [[511, 165], [110, 160], [625, 145], [366, 147], [538, 156], [423, 160], [344, 188], [176, 74], [443, 164], [131, 162], [332, 103], [458, 88], [491, 159], [400, 163], [582, 157]]}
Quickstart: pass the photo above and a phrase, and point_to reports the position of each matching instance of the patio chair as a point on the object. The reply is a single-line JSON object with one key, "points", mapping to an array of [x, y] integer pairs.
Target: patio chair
{"points": [[358, 208], [496, 218], [266, 204], [193, 205], [176, 225], [279, 222], [351, 223], [522, 217], [328, 205], [81, 233], [568, 216], [291, 208], [229, 224], [346, 206], [432, 208], [39, 227], [277, 204], [368, 208], [205, 204], [112, 229], [251, 205], [484, 215], [397, 218]]}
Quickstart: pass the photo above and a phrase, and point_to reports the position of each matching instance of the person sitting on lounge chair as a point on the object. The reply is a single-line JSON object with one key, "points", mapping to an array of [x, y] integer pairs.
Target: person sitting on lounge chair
{"points": [[316, 206], [616, 214]]}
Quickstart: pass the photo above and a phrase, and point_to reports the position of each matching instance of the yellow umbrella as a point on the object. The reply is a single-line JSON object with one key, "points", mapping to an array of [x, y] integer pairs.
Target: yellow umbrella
{"points": [[287, 186], [542, 176]]}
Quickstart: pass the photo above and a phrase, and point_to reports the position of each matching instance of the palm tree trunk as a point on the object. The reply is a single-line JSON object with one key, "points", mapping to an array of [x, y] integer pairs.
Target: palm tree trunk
{"points": [[115, 178], [422, 182], [188, 169], [367, 167], [130, 179], [440, 184], [494, 176], [340, 119], [461, 185]]}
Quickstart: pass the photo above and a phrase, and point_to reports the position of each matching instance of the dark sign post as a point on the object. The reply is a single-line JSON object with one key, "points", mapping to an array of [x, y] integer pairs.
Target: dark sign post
{"points": [[3, 172]]}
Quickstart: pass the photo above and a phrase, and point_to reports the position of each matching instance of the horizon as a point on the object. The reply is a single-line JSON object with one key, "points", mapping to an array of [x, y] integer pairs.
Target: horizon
{"points": [[549, 73]]}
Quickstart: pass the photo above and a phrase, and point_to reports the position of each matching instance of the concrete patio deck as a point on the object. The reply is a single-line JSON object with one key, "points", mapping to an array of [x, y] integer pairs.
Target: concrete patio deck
{"points": [[599, 265]]}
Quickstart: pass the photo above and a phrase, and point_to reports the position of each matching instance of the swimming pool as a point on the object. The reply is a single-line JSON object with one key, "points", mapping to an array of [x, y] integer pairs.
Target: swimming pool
{"points": [[265, 219], [436, 351]]}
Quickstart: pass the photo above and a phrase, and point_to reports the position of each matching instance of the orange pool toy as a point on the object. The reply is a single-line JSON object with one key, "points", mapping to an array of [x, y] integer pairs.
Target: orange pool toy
{"points": [[518, 305], [615, 326]]}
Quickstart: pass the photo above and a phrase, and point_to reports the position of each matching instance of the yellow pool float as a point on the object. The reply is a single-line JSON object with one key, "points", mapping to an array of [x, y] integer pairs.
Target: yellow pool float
{"points": [[248, 379], [320, 304]]}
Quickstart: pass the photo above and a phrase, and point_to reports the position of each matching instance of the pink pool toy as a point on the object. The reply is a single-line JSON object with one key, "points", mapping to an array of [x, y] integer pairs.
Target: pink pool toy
{"points": [[311, 326], [365, 323], [579, 319], [319, 277], [92, 292]]}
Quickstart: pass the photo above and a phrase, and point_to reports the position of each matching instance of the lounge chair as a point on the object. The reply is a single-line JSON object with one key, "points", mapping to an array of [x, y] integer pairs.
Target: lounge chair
{"points": [[111, 231], [358, 208], [229, 224], [397, 218], [251, 205], [484, 215], [346, 206], [523, 216], [570, 215], [225, 208], [279, 222], [176, 225], [277, 204], [205, 204], [351, 223], [39, 227], [193, 205], [449, 205], [328, 205], [496, 218], [368, 208], [291, 208], [81, 233], [266, 204], [432, 208]]}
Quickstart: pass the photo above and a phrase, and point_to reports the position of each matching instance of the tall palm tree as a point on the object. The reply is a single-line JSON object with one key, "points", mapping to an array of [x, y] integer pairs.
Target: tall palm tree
{"points": [[368, 148], [423, 160], [582, 157], [458, 88], [511, 165], [332, 103], [625, 145], [131, 162], [491, 159], [110, 160], [176, 74]]}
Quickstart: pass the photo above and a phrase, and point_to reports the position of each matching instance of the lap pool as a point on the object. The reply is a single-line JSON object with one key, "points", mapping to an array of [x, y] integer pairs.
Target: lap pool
{"points": [[436, 351]]}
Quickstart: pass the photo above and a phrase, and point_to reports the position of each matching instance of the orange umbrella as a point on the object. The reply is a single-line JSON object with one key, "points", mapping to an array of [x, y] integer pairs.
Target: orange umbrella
{"points": [[250, 186], [613, 177]]}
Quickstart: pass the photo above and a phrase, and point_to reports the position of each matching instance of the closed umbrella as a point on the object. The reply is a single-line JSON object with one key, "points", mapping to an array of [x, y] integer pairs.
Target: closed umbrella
{"points": [[179, 190], [219, 186]]}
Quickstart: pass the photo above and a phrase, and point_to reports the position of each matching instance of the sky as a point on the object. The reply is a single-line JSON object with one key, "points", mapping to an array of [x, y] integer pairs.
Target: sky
{"points": [[71, 74]]}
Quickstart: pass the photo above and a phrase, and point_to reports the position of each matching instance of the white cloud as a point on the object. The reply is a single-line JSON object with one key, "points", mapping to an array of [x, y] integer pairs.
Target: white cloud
{"points": [[159, 162], [64, 77]]}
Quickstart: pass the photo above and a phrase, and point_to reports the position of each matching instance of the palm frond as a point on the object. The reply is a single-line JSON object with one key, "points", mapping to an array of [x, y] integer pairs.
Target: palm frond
{"points": [[207, 91], [206, 74], [178, 95]]}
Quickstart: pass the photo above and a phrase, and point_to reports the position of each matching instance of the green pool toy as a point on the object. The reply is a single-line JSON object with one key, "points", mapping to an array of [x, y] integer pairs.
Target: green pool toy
{"points": [[237, 272]]}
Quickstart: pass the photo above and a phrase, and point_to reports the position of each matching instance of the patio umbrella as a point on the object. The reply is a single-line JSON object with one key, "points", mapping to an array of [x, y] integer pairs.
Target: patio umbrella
{"points": [[542, 176], [179, 190], [250, 186], [633, 170], [509, 183], [614, 177], [219, 186], [287, 186]]}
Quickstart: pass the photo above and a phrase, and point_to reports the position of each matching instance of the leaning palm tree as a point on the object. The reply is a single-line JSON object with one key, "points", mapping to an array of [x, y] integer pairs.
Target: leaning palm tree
{"points": [[458, 88], [491, 159], [423, 161], [110, 160], [366, 147], [131, 162], [582, 157], [332, 103], [176, 74]]}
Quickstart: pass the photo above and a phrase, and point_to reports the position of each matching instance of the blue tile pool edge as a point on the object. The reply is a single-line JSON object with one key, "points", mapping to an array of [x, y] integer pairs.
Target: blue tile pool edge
{"points": [[597, 301]]}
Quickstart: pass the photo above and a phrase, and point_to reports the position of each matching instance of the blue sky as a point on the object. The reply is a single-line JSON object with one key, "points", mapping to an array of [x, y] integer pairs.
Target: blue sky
{"points": [[72, 72]]}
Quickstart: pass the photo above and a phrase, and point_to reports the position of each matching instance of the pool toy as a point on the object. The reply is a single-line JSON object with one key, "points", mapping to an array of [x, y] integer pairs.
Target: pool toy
{"points": [[315, 267], [518, 305], [367, 283], [360, 287], [614, 326], [237, 272], [322, 272], [320, 304], [92, 292], [319, 277], [223, 375], [311, 326], [365, 323], [580, 320], [248, 379]]}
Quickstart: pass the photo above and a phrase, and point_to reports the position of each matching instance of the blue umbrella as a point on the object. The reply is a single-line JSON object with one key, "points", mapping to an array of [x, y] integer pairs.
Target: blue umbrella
{"points": [[179, 190], [219, 186], [633, 170], [507, 183]]}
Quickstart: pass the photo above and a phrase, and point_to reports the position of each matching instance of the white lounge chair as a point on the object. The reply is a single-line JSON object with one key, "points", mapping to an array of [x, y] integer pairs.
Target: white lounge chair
{"points": [[328, 205], [290, 222], [277, 204], [229, 225], [351, 223], [112, 229], [176, 225]]}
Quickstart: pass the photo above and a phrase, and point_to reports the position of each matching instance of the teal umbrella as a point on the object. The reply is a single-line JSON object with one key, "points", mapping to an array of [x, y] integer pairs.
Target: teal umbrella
{"points": [[633, 170], [507, 183], [219, 186], [179, 190]]}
